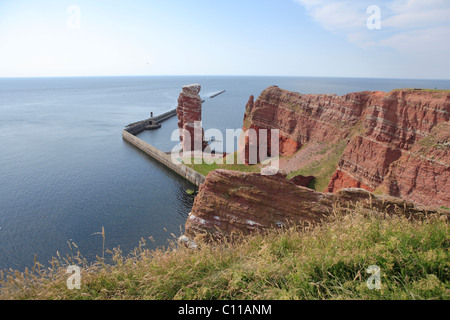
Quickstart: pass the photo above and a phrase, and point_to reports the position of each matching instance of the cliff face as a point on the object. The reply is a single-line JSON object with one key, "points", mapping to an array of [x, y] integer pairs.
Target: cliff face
{"points": [[383, 134], [423, 173], [231, 201], [304, 118]]}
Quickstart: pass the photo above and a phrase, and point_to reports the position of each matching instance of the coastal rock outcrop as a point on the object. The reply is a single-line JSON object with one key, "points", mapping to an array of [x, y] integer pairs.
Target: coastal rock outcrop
{"points": [[189, 112], [231, 201], [302, 180], [380, 134]]}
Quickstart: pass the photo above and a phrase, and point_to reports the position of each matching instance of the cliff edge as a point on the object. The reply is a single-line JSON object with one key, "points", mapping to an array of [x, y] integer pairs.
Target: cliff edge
{"points": [[238, 202]]}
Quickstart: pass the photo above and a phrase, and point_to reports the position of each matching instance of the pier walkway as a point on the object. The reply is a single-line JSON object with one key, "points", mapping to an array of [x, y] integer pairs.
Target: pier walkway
{"points": [[130, 133]]}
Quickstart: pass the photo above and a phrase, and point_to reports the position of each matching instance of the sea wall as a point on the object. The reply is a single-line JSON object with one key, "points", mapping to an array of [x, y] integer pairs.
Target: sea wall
{"points": [[165, 159], [138, 127], [165, 116]]}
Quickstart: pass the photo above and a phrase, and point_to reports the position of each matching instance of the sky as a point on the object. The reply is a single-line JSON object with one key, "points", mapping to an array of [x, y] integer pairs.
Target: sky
{"points": [[320, 38]]}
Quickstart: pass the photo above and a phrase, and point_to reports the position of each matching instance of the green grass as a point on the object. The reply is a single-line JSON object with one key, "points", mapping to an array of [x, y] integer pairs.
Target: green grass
{"points": [[205, 168], [322, 169], [190, 192], [328, 261]]}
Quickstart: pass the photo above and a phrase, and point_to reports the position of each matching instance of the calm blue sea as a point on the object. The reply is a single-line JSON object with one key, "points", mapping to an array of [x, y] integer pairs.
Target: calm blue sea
{"points": [[65, 171]]}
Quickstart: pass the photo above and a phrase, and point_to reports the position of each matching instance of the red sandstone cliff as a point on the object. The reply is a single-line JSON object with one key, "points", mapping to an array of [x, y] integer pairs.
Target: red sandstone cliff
{"points": [[396, 142], [422, 174]]}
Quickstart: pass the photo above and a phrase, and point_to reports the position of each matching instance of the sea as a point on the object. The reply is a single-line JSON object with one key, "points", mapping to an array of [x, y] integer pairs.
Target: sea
{"points": [[66, 174]]}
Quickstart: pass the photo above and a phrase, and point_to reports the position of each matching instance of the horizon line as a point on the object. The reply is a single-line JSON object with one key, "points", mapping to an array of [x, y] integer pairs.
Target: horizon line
{"points": [[220, 75]]}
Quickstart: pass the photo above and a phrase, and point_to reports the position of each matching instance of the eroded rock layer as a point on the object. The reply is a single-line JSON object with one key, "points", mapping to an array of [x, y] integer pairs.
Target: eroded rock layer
{"points": [[382, 132], [423, 173], [231, 201]]}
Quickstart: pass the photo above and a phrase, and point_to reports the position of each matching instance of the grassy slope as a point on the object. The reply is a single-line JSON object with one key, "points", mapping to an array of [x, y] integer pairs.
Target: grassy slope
{"points": [[205, 168], [325, 262], [324, 168]]}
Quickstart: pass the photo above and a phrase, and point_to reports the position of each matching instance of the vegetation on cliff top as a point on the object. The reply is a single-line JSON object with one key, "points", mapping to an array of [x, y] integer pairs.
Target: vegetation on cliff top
{"points": [[327, 261], [323, 168], [230, 162]]}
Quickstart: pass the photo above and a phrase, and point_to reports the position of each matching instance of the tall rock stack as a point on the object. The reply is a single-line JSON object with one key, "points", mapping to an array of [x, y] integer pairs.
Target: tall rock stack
{"points": [[189, 113]]}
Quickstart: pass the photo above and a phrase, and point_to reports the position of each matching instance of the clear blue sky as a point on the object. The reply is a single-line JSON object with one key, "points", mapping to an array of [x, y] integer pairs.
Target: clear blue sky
{"points": [[225, 37]]}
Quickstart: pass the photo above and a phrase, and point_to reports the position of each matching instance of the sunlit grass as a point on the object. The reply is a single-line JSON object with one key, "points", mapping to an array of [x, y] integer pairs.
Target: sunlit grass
{"points": [[230, 162], [324, 168], [326, 261]]}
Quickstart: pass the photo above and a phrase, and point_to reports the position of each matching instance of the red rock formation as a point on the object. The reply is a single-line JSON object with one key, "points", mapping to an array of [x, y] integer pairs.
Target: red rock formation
{"points": [[189, 112], [302, 180], [231, 201], [393, 124], [301, 118], [422, 174], [381, 130], [342, 179]]}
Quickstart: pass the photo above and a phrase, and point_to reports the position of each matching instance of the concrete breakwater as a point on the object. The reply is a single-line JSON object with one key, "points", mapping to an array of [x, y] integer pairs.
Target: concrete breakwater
{"points": [[150, 123], [129, 135], [216, 94]]}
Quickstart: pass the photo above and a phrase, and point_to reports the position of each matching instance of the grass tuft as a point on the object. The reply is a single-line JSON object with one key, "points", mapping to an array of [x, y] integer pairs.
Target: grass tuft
{"points": [[327, 261]]}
